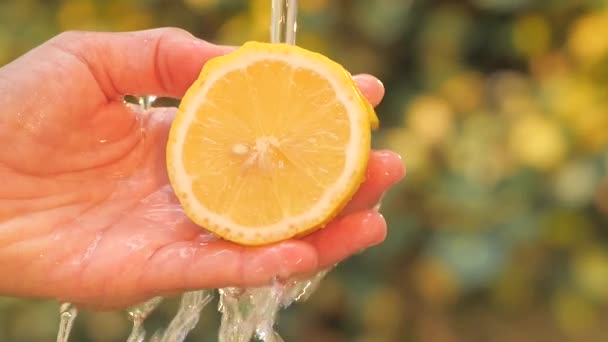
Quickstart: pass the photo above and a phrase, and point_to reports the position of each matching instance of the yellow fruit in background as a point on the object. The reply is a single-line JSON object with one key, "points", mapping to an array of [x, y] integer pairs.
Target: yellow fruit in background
{"points": [[269, 143], [537, 142], [411, 148], [464, 91], [591, 269], [587, 38], [430, 118]]}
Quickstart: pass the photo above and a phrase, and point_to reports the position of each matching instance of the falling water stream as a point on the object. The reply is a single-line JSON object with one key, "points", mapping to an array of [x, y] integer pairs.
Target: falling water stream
{"points": [[253, 312], [246, 312], [186, 318], [67, 315]]}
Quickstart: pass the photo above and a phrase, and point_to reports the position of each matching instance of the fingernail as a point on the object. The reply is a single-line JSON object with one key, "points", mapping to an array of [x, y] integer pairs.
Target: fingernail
{"points": [[374, 219], [387, 154], [368, 79], [392, 165]]}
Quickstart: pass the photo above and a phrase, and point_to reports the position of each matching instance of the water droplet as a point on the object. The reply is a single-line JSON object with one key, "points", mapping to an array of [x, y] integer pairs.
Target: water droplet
{"points": [[138, 314], [146, 102], [301, 290], [68, 313], [253, 311]]}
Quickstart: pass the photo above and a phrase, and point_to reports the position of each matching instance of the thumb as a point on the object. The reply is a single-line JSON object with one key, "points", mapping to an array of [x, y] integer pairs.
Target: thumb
{"points": [[162, 62]]}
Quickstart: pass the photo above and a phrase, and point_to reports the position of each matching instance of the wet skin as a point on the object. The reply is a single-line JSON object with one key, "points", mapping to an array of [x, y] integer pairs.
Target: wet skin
{"points": [[86, 211]]}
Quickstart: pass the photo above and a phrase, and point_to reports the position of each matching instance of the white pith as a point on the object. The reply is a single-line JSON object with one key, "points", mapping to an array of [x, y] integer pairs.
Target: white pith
{"points": [[258, 155], [290, 225]]}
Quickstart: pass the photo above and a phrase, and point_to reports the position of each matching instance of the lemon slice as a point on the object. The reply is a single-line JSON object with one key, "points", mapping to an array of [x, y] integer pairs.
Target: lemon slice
{"points": [[269, 143]]}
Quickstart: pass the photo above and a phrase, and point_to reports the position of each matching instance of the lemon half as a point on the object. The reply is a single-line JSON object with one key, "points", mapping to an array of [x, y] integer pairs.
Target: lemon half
{"points": [[270, 142]]}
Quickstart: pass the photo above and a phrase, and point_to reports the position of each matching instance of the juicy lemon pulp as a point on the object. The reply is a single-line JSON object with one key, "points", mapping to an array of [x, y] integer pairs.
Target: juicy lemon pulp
{"points": [[269, 143]]}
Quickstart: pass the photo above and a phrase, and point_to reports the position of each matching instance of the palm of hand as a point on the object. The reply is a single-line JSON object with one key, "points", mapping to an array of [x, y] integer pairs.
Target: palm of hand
{"points": [[90, 216]]}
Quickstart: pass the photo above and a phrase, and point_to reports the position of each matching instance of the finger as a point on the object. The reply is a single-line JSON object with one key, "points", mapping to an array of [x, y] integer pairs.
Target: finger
{"points": [[192, 265], [162, 62], [384, 170], [347, 235], [371, 87]]}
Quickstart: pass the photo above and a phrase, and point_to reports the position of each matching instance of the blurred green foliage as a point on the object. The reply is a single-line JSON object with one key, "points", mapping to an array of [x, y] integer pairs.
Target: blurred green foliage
{"points": [[500, 110]]}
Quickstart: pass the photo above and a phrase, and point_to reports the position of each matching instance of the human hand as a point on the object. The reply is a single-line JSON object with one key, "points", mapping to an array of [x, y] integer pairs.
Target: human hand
{"points": [[86, 211]]}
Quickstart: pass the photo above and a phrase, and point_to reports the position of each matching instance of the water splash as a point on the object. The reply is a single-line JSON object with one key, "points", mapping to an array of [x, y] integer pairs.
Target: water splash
{"points": [[187, 317], [146, 102], [249, 311], [253, 311], [301, 290], [68, 313], [138, 315]]}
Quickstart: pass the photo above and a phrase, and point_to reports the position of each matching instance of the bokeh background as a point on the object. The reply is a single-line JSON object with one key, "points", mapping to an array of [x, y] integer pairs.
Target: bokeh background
{"points": [[500, 110]]}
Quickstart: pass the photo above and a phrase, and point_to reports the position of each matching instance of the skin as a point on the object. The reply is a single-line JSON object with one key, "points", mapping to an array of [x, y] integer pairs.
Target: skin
{"points": [[86, 211]]}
